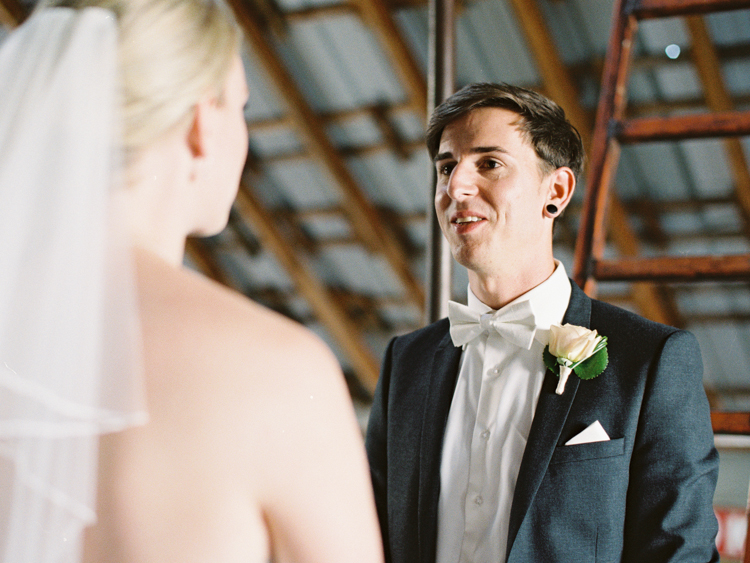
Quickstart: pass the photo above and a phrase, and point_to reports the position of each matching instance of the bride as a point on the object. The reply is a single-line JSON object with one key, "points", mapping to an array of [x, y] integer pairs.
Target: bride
{"points": [[224, 431]]}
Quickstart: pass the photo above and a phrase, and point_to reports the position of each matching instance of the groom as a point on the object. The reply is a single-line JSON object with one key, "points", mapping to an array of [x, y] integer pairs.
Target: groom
{"points": [[477, 454]]}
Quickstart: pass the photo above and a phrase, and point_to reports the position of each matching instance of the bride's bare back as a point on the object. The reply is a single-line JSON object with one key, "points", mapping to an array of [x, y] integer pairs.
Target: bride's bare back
{"points": [[252, 451]]}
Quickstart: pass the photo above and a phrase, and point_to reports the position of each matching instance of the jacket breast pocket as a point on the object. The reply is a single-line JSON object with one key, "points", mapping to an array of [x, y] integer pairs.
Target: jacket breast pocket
{"points": [[587, 483], [593, 450]]}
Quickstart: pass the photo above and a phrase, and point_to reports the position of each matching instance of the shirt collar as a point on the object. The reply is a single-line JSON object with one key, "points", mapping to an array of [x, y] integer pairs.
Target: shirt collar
{"points": [[549, 300]]}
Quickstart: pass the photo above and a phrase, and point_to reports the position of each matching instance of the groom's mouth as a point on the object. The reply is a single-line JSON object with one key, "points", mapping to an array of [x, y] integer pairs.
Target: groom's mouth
{"points": [[466, 221], [462, 220]]}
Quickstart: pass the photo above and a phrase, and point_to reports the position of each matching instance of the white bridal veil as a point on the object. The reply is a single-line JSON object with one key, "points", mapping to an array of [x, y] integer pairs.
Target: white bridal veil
{"points": [[69, 342]]}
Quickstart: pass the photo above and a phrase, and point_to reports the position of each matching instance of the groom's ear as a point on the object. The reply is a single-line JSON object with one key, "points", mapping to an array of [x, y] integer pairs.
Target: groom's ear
{"points": [[561, 187]]}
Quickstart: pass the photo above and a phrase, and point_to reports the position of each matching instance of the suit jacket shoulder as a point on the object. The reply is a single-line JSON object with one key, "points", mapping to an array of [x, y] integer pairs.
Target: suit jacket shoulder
{"points": [[423, 338], [626, 324]]}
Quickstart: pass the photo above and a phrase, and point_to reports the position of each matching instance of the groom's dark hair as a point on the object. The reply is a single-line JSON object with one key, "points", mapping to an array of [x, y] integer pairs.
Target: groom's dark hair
{"points": [[543, 123]]}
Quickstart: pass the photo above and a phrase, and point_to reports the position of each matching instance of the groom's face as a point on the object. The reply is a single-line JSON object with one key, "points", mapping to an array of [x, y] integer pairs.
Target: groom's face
{"points": [[491, 191]]}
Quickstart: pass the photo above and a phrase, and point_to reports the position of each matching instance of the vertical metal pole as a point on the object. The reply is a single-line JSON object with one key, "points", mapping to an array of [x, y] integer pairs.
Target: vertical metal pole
{"points": [[440, 85]]}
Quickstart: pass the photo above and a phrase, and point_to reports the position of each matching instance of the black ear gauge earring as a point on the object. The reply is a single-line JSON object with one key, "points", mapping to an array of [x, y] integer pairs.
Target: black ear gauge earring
{"points": [[552, 209]]}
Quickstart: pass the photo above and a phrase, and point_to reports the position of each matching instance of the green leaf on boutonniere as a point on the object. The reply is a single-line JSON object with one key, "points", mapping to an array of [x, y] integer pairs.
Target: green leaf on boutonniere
{"points": [[550, 361], [593, 366]]}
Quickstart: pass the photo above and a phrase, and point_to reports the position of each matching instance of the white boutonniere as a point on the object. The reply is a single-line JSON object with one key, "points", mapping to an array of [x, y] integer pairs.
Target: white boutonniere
{"points": [[575, 348]]}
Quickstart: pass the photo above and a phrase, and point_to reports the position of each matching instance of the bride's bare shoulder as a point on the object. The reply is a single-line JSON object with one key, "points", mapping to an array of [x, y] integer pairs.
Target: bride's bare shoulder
{"points": [[207, 317], [197, 329]]}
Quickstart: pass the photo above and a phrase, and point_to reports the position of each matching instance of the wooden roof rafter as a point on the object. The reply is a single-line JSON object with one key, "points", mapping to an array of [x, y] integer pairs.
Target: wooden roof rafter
{"points": [[205, 261], [320, 11], [364, 218], [707, 64], [377, 15], [12, 13], [327, 309]]}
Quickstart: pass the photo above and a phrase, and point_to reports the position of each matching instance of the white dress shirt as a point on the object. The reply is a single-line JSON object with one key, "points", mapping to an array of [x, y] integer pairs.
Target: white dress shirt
{"points": [[489, 422]]}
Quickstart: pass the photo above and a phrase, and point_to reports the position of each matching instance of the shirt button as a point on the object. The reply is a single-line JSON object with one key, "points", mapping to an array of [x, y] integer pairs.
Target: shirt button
{"points": [[479, 501], [485, 434]]}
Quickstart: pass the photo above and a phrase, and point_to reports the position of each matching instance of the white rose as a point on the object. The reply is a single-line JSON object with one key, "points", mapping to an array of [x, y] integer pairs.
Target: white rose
{"points": [[573, 343]]}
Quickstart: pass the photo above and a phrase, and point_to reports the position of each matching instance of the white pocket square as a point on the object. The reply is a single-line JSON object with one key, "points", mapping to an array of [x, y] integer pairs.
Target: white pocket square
{"points": [[593, 433]]}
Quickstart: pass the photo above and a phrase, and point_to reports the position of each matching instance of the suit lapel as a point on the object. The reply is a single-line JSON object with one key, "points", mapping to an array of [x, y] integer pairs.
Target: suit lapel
{"points": [[549, 418], [442, 375]]}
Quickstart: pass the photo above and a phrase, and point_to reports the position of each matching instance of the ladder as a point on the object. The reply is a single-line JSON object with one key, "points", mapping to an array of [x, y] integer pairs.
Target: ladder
{"points": [[612, 130]]}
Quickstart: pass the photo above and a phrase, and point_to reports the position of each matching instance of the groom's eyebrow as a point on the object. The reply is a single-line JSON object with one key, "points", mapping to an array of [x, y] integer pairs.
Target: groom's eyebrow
{"points": [[473, 150]]}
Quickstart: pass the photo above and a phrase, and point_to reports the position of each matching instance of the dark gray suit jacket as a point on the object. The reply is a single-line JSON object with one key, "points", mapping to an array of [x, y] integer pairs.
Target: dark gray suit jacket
{"points": [[644, 496]]}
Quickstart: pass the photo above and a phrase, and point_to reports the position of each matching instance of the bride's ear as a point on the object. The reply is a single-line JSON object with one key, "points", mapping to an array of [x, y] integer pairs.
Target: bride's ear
{"points": [[201, 129]]}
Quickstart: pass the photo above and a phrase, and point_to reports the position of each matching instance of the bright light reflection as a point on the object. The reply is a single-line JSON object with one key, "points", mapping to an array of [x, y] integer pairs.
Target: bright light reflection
{"points": [[672, 51]]}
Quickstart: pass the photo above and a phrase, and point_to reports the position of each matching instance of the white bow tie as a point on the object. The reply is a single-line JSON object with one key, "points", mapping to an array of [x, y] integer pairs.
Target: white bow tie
{"points": [[514, 323]]}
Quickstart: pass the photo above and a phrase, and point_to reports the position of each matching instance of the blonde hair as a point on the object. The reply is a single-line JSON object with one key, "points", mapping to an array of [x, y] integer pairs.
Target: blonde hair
{"points": [[171, 53]]}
